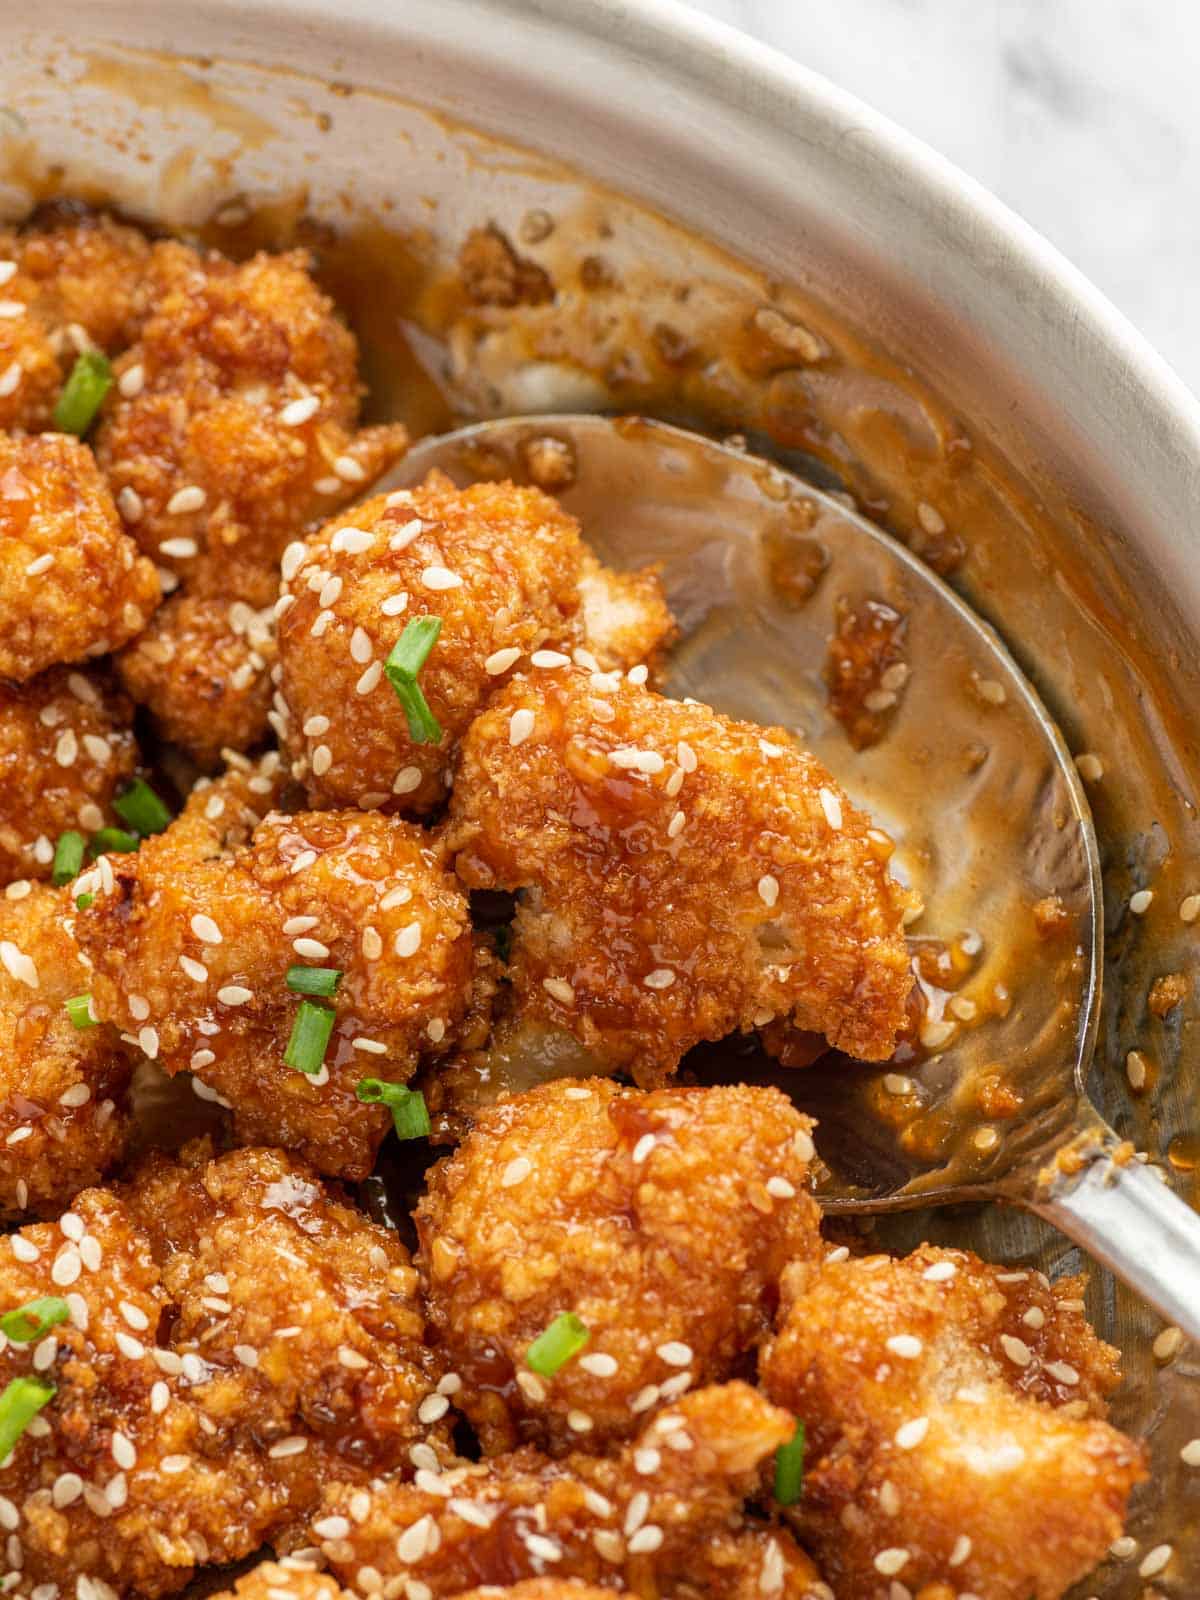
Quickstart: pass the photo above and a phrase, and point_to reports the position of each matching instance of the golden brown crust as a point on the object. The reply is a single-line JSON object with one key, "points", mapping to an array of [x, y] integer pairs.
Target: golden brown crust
{"points": [[662, 1220], [368, 890], [661, 1517], [72, 582], [228, 349], [518, 559], [203, 671], [66, 749], [626, 620], [203, 1390], [952, 1417], [63, 1111], [286, 1580], [727, 882], [81, 280]]}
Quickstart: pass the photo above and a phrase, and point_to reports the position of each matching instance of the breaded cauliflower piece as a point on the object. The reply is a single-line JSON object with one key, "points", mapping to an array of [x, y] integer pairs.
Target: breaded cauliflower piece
{"points": [[499, 565], [952, 1413], [66, 750], [63, 1110], [235, 1337], [289, 1580], [202, 670], [233, 421], [683, 875], [663, 1516], [626, 619], [192, 946], [73, 280], [72, 582], [661, 1220]]}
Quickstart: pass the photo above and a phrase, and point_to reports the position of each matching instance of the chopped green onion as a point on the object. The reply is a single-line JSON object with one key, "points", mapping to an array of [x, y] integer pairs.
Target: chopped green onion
{"points": [[410, 1114], [31, 1321], [789, 1468], [563, 1339], [141, 808], [313, 980], [68, 857], [90, 380], [79, 1009], [19, 1404], [310, 1037], [83, 901], [114, 840], [409, 654]]}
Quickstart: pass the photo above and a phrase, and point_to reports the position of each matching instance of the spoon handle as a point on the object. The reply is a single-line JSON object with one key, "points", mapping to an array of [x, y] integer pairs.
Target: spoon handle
{"points": [[1124, 1217]]}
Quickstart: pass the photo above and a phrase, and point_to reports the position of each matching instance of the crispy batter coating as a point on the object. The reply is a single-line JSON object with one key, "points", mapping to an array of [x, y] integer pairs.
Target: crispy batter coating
{"points": [[79, 280], [953, 1426], [211, 443], [662, 1220], [236, 1338], [66, 749], [517, 559], [544, 1589], [203, 671], [684, 876], [286, 1580], [63, 1111], [626, 618], [662, 1517], [192, 946], [72, 582]]}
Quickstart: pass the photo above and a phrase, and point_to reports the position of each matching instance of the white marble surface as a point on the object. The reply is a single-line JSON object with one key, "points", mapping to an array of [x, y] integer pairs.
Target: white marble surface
{"points": [[1083, 115]]}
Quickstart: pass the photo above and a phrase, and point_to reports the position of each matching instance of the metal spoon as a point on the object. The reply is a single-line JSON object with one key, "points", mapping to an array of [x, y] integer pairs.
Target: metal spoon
{"points": [[969, 776]]}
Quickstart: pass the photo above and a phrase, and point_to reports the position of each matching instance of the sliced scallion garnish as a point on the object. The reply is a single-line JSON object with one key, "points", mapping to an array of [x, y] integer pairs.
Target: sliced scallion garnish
{"points": [[313, 980], [410, 1115], [142, 809], [409, 655], [19, 1404], [82, 394], [79, 1009], [310, 1037], [68, 857], [562, 1340], [789, 1468], [114, 841], [29, 1322]]}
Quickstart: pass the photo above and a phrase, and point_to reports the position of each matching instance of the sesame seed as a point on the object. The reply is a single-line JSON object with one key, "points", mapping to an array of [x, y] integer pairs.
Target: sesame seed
{"points": [[66, 750], [579, 1421], [831, 806], [660, 978], [675, 1353], [636, 1511], [516, 1172], [994, 693], [1190, 1454], [313, 728], [559, 989], [293, 1446], [246, 1354], [303, 861], [1089, 767], [890, 1561], [233, 994], [520, 726], [66, 1268], [1139, 903], [131, 1348], [646, 1461], [531, 1386], [394, 605], [331, 593], [322, 760], [79, 1093], [638, 675], [407, 779], [12, 308], [440, 578], [910, 1434], [370, 678], [330, 485], [500, 661], [1135, 1069], [768, 889], [408, 941], [1168, 1344], [90, 1252], [433, 1408], [205, 929], [1155, 1560], [18, 965], [148, 1042], [297, 412], [780, 1188], [312, 949], [361, 648], [349, 470], [179, 549], [545, 1549], [1035, 1317], [676, 825], [645, 1539], [1123, 1547], [598, 1364], [897, 1083], [193, 498], [985, 1139], [643, 1148], [905, 1345], [174, 1465], [1063, 1372], [940, 1272], [39, 565], [632, 760], [1016, 1349], [550, 659]]}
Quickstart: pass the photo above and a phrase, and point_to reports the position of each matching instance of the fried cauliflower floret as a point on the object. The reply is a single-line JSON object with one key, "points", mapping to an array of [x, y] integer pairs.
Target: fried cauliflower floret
{"points": [[63, 1112], [233, 421], [235, 1334], [952, 1413], [626, 619], [661, 1220], [72, 582], [202, 670], [661, 1517], [683, 875], [72, 281], [288, 1580], [192, 946], [499, 565], [66, 750]]}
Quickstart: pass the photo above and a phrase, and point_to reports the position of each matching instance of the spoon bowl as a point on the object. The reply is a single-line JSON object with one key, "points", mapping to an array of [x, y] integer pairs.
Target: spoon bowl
{"points": [[797, 611]]}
